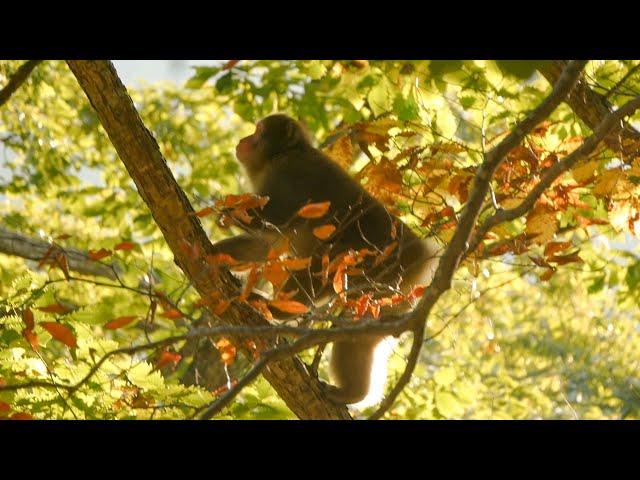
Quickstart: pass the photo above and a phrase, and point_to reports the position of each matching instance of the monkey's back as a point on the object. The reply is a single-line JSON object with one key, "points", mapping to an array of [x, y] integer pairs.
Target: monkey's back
{"points": [[307, 176]]}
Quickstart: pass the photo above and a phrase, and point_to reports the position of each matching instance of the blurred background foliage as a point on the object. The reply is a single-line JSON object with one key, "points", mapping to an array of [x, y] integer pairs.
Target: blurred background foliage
{"points": [[514, 338]]}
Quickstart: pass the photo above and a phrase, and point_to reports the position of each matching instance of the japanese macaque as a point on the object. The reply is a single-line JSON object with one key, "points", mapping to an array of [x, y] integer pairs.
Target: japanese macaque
{"points": [[283, 165]]}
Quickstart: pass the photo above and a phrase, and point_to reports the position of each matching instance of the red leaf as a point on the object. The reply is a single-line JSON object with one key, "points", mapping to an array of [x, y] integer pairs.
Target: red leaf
{"points": [[204, 212], [54, 308], [125, 246], [61, 261], [4, 407], [417, 291], [99, 254], [32, 338], [120, 322], [21, 416], [220, 258], [167, 357], [61, 333], [173, 314], [289, 306], [314, 210], [27, 318], [230, 64]]}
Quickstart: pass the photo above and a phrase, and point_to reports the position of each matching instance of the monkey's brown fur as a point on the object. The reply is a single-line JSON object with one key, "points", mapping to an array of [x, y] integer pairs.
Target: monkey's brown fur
{"points": [[283, 165]]}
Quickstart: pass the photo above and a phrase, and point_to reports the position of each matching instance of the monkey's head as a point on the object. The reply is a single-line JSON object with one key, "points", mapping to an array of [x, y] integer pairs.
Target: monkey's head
{"points": [[274, 135]]}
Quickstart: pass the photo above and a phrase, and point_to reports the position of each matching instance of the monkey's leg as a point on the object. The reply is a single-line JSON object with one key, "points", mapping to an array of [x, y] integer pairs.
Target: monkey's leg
{"points": [[244, 248], [351, 364]]}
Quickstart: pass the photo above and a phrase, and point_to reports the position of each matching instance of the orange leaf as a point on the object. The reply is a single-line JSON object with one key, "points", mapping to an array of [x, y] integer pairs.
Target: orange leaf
{"points": [[417, 291], [32, 338], [220, 258], [252, 278], [314, 210], [296, 263], [242, 215], [324, 231], [204, 212], [167, 357], [99, 254], [27, 318], [289, 306], [54, 308], [564, 259], [245, 201], [4, 407], [21, 416], [261, 306], [276, 274], [221, 307], [281, 247], [339, 280], [125, 246], [61, 333], [120, 322], [173, 314], [547, 274], [227, 351], [553, 247]]}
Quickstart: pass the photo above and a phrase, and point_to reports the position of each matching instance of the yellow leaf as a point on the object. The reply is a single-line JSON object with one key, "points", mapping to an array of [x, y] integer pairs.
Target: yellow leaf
{"points": [[584, 171], [607, 182], [341, 152]]}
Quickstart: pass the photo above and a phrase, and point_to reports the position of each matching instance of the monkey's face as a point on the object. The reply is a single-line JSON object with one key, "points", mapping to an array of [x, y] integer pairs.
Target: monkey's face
{"points": [[274, 135], [250, 150]]}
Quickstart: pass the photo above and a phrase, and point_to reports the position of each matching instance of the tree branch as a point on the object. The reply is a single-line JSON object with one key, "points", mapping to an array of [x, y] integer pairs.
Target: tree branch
{"points": [[592, 108], [173, 214], [608, 124], [19, 245], [459, 244], [17, 79]]}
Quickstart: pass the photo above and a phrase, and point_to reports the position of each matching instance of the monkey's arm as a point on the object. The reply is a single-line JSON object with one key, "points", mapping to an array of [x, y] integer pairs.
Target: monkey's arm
{"points": [[244, 248]]}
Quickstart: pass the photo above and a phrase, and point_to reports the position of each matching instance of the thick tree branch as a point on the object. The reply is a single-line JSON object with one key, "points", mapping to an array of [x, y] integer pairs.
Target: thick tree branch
{"points": [[592, 108], [459, 244], [608, 124], [13, 243], [17, 79], [173, 214]]}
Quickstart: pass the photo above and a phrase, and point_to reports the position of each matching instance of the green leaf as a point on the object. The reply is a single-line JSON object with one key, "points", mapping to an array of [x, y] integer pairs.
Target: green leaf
{"points": [[445, 376]]}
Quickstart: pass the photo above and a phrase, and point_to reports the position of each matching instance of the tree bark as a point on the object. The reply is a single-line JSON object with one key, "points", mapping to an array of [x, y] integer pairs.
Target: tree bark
{"points": [[592, 108], [173, 214]]}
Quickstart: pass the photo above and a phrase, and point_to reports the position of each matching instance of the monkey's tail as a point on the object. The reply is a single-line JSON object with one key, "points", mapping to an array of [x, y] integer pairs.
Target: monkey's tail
{"points": [[381, 355]]}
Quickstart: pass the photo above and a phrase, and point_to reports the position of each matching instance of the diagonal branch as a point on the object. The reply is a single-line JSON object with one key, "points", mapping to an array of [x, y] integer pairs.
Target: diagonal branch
{"points": [[592, 108], [173, 214], [459, 244], [608, 125], [17, 79]]}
